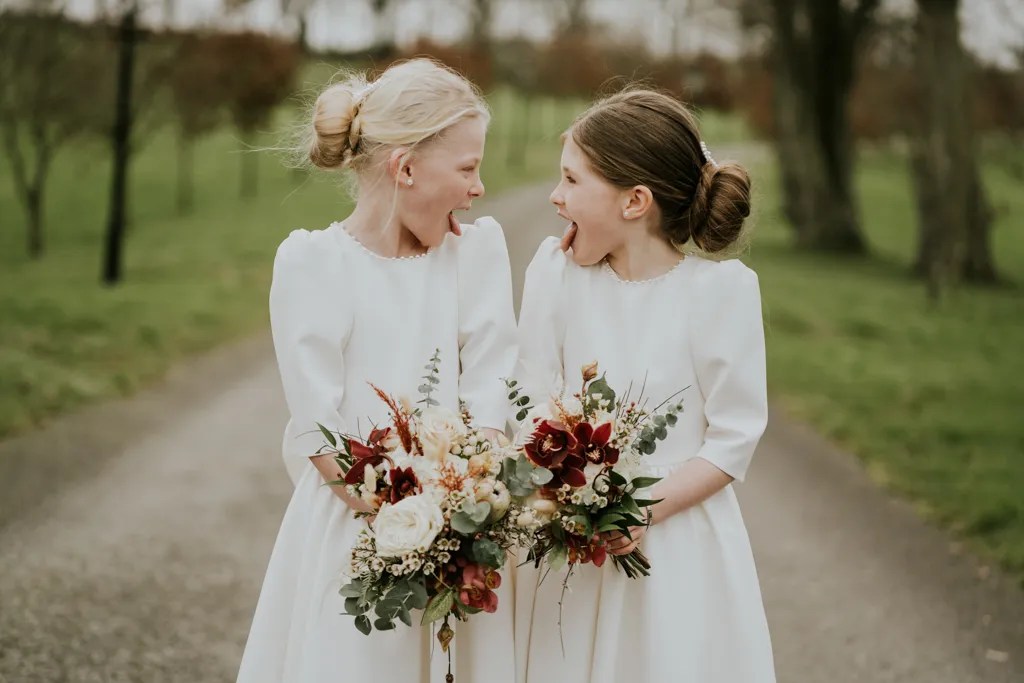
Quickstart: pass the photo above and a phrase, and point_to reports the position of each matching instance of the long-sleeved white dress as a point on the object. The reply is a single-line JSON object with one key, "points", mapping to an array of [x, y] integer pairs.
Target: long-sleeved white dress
{"points": [[342, 317], [699, 617]]}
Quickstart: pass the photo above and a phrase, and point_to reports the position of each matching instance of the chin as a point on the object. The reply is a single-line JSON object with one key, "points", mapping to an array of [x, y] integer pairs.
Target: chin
{"points": [[584, 258]]}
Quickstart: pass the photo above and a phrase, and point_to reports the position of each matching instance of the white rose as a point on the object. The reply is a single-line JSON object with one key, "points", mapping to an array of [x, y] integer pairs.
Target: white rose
{"points": [[438, 429], [410, 525]]}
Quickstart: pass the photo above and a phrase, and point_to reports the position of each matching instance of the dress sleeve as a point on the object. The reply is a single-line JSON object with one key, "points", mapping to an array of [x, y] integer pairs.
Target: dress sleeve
{"points": [[727, 343], [542, 324], [487, 324], [310, 326]]}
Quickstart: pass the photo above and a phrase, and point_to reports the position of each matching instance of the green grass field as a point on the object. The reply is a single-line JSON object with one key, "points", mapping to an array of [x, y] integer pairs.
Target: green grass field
{"points": [[930, 398]]}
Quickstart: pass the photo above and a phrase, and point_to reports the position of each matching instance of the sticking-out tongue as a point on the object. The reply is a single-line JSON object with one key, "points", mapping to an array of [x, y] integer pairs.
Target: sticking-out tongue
{"points": [[453, 223]]}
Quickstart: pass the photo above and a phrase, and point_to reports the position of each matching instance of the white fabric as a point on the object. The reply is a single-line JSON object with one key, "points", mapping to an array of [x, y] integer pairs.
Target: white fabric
{"points": [[342, 317], [699, 617]]}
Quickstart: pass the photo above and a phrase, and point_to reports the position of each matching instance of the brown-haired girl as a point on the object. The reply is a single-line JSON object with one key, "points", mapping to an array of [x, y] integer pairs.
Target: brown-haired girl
{"points": [[640, 190]]}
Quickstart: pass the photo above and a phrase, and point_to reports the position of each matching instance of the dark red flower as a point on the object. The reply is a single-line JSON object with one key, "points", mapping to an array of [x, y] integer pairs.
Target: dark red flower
{"points": [[583, 550], [477, 590], [376, 438], [403, 484], [550, 443], [569, 472], [552, 446], [362, 455], [592, 443]]}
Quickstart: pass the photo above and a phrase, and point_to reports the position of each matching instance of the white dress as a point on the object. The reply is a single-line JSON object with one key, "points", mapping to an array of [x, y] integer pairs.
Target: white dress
{"points": [[699, 617], [341, 317]]}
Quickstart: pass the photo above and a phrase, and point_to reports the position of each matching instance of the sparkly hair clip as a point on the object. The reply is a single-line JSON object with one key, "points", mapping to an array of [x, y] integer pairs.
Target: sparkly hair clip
{"points": [[707, 154]]}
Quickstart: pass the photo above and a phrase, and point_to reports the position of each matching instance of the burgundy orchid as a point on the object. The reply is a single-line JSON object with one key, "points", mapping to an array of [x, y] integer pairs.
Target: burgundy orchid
{"points": [[592, 443], [403, 484], [552, 446]]}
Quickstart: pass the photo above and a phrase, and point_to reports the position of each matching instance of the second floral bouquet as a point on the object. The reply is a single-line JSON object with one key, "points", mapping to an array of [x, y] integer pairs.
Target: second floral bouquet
{"points": [[578, 474]]}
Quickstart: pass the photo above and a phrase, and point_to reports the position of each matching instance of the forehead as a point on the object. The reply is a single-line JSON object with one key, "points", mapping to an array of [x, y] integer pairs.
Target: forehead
{"points": [[465, 138], [573, 157]]}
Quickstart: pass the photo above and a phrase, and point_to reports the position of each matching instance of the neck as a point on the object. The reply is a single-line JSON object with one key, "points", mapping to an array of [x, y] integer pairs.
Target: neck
{"points": [[645, 255], [375, 223]]}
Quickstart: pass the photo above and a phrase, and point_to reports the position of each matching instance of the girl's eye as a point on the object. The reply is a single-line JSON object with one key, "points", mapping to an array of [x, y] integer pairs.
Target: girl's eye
{"points": [[570, 180]]}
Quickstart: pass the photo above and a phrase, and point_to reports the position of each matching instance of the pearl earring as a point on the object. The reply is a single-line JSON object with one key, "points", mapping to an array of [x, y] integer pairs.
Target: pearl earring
{"points": [[409, 181], [625, 214]]}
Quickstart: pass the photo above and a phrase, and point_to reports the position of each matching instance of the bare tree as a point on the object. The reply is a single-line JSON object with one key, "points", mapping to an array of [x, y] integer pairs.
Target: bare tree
{"points": [[815, 47], [953, 212], [43, 62], [121, 136], [481, 14]]}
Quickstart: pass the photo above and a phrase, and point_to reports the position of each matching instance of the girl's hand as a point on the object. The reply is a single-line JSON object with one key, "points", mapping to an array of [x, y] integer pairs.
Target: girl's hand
{"points": [[331, 471], [618, 543]]}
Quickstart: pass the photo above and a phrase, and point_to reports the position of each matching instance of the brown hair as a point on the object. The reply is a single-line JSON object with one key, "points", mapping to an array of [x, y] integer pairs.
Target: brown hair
{"points": [[643, 137]]}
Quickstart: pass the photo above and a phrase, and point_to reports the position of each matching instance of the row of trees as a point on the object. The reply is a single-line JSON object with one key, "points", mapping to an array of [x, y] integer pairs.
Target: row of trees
{"points": [[61, 82], [819, 73], [818, 47]]}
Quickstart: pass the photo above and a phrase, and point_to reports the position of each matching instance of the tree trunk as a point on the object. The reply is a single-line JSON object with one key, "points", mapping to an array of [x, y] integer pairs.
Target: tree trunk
{"points": [[954, 218], [34, 209], [815, 51], [121, 139]]}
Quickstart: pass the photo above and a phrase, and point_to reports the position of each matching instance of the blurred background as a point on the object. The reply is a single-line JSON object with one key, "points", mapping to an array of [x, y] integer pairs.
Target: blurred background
{"points": [[144, 188]]}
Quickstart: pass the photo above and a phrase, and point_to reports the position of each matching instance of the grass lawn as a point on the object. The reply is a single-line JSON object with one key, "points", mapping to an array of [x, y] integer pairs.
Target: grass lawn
{"points": [[191, 282], [929, 397]]}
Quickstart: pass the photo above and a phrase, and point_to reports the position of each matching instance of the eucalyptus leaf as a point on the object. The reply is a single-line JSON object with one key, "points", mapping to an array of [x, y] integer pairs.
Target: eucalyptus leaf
{"points": [[353, 589], [487, 552], [541, 476], [384, 624], [418, 598], [353, 606], [462, 523], [363, 624]]}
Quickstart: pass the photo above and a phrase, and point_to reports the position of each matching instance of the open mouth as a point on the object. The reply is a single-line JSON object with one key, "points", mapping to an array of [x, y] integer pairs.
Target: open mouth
{"points": [[571, 230], [453, 222]]}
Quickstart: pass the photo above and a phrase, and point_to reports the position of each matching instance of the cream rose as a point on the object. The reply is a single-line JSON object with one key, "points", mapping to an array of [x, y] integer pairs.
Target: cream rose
{"points": [[438, 430], [409, 525]]}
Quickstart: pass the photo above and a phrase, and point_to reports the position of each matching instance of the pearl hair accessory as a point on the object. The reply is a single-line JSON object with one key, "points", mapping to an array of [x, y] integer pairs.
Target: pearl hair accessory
{"points": [[707, 154]]}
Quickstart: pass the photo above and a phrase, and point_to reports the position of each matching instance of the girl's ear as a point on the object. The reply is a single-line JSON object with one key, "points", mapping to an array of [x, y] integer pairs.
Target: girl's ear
{"points": [[637, 202], [399, 166]]}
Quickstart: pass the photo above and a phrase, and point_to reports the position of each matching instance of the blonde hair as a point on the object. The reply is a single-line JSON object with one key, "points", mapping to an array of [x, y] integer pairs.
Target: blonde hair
{"points": [[410, 104]]}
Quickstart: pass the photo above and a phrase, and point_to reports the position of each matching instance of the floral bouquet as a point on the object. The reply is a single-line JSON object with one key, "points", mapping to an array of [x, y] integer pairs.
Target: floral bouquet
{"points": [[440, 524], [576, 473]]}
